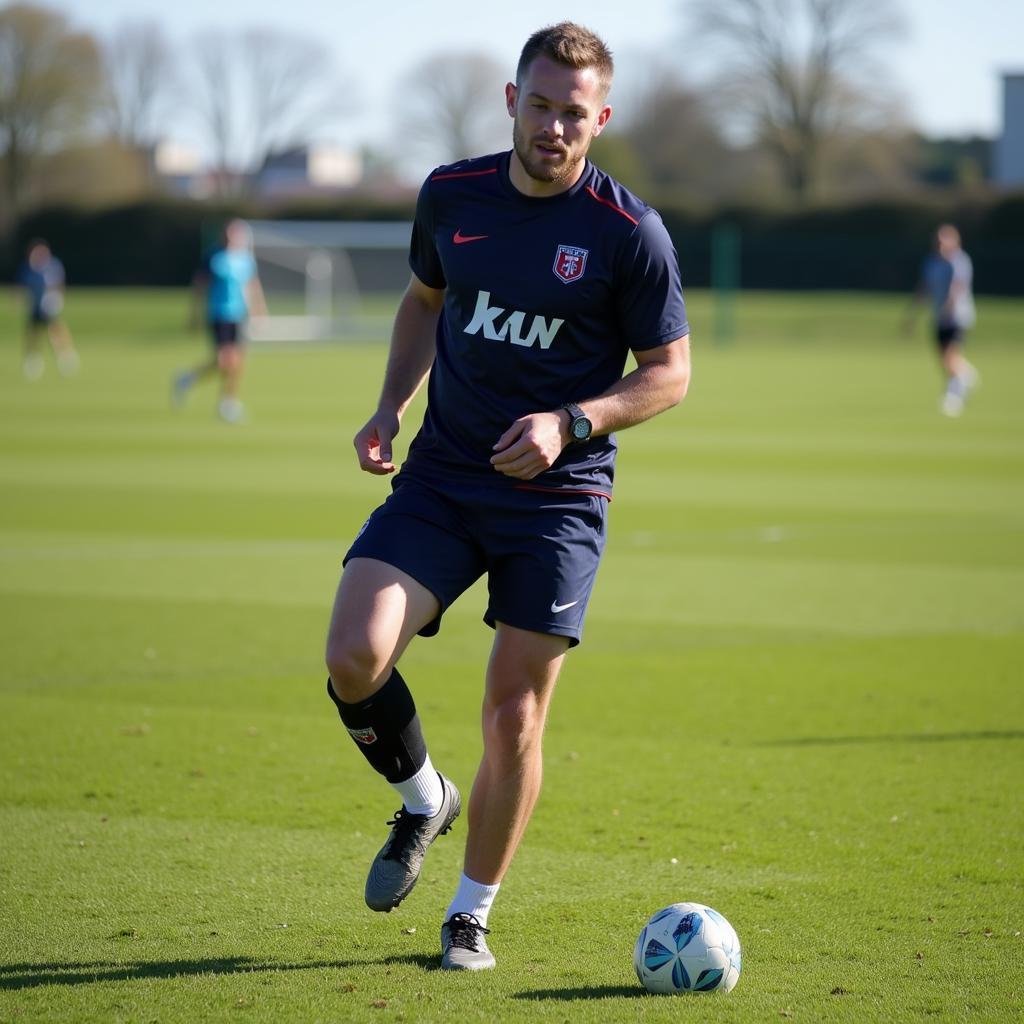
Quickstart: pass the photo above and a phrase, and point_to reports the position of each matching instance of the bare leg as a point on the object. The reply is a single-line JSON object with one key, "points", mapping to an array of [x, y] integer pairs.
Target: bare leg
{"points": [[60, 338], [377, 611], [955, 363], [184, 381], [197, 373], [961, 377], [34, 364], [231, 360], [521, 678], [63, 348]]}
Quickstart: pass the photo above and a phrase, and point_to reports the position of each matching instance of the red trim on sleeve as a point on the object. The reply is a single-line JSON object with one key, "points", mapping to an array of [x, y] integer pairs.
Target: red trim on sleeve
{"points": [[464, 174], [607, 202]]}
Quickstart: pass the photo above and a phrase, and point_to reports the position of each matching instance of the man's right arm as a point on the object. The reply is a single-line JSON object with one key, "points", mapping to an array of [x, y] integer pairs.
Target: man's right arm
{"points": [[410, 357]]}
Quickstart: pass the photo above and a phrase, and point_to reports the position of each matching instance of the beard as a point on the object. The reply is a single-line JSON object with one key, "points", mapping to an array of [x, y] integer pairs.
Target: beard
{"points": [[541, 170]]}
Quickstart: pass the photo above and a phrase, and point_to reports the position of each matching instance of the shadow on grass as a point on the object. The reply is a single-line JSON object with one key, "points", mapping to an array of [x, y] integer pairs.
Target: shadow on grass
{"points": [[32, 975], [913, 737], [572, 995]]}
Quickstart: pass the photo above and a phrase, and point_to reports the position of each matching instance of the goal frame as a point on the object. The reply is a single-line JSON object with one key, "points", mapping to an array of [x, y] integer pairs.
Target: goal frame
{"points": [[324, 254]]}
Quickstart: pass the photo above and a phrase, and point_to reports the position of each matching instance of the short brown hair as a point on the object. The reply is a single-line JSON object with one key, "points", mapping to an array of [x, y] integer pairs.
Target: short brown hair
{"points": [[571, 45]]}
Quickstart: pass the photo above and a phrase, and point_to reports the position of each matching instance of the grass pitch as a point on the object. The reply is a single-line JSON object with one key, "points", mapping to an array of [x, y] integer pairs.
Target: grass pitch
{"points": [[798, 699]]}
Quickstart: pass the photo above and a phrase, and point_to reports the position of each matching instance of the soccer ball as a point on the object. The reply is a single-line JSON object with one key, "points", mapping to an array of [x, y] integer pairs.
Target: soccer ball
{"points": [[687, 947]]}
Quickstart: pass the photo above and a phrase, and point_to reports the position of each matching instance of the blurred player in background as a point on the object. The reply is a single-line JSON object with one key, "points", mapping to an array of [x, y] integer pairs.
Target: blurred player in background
{"points": [[229, 284], [534, 276], [42, 276], [946, 283]]}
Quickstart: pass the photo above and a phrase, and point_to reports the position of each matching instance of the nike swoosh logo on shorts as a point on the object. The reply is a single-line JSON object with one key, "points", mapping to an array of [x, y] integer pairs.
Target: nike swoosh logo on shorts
{"points": [[556, 607], [460, 239]]}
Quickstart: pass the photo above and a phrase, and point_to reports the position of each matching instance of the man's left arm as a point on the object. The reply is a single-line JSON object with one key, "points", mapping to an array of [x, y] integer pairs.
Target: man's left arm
{"points": [[660, 380], [256, 301]]}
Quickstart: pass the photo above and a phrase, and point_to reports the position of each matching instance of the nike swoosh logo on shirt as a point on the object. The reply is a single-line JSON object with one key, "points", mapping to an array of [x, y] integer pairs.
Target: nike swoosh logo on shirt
{"points": [[460, 239], [556, 607]]}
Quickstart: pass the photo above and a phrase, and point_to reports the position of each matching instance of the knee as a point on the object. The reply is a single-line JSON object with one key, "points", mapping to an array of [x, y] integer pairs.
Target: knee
{"points": [[513, 726], [355, 669], [229, 357]]}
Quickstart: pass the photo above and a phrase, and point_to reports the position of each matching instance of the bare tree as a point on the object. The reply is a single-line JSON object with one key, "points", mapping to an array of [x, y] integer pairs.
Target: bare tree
{"points": [[674, 135], [140, 75], [797, 70], [50, 89], [214, 99], [263, 91], [452, 107]]}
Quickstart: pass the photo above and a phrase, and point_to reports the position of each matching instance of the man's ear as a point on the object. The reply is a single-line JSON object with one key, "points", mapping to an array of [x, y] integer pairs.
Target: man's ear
{"points": [[602, 120], [510, 98]]}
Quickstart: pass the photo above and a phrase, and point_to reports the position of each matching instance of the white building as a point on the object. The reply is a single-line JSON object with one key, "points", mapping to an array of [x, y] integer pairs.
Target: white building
{"points": [[1008, 158], [307, 171]]}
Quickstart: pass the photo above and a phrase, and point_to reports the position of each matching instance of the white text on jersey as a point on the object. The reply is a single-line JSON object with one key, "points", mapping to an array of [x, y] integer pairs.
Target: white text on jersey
{"points": [[486, 316]]}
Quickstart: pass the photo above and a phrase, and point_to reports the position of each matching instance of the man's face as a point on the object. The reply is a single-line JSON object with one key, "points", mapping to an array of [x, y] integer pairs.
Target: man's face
{"points": [[947, 242], [237, 235], [558, 112]]}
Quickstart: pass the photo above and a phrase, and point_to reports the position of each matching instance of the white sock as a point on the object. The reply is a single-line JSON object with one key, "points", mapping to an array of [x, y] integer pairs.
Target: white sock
{"points": [[473, 898], [422, 794]]}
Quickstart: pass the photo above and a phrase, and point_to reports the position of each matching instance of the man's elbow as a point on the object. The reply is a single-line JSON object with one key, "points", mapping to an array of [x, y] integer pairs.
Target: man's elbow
{"points": [[679, 375], [678, 386]]}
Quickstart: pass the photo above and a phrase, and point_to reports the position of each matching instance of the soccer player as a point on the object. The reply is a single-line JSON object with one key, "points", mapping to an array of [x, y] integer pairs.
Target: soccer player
{"points": [[946, 279], [233, 291], [42, 276], [534, 275]]}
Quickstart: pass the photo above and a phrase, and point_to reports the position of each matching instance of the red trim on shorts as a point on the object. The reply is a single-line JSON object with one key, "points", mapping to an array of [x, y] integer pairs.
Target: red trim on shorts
{"points": [[608, 202], [563, 490], [464, 174]]}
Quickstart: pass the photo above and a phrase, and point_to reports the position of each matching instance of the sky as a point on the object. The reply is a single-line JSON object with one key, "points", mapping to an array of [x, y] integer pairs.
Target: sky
{"points": [[946, 67]]}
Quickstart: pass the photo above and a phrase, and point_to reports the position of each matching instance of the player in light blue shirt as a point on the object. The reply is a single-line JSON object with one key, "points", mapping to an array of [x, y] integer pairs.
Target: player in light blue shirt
{"points": [[232, 286]]}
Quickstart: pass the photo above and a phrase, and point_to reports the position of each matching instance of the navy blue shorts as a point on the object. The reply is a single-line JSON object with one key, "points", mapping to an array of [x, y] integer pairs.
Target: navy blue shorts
{"points": [[225, 332], [946, 336], [540, 549]]}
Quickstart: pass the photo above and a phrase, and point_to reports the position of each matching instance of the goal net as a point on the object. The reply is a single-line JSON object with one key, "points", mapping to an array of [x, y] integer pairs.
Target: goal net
{"points": [[329, 280]]}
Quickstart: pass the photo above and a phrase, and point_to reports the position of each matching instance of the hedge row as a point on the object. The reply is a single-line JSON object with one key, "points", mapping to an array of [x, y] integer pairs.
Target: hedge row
{"points": [[876, 246]]}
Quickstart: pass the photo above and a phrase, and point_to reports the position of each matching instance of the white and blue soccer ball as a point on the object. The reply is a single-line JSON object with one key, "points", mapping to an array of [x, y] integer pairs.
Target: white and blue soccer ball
{"points": [[687, 947]]}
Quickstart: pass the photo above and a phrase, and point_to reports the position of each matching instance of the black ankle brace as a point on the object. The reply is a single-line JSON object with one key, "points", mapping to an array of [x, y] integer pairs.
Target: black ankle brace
{"points": [[386, 728]]}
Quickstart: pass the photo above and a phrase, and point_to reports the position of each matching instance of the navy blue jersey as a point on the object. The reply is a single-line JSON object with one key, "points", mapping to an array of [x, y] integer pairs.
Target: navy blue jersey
{"points": [[43, 284], [545, 299]]}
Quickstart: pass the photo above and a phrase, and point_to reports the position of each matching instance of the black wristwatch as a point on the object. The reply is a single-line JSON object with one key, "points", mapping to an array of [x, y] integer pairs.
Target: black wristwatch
{"points": [[580, 428]]}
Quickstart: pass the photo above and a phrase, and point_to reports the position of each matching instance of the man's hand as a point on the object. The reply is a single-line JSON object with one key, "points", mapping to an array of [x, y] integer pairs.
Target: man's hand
{"points": [[373, 443], [531, 444]]}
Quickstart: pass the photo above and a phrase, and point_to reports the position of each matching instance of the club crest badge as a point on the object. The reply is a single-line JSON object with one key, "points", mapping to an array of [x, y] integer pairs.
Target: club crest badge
{"points": [[364, 736], [570, 262]]}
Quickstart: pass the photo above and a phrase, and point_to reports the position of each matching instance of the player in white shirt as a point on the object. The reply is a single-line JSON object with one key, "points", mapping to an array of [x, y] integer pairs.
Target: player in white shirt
{"points": [[946, 283]]}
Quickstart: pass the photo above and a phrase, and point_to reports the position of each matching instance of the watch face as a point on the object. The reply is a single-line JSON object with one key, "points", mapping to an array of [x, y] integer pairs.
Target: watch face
{"points": [[581, 428]]}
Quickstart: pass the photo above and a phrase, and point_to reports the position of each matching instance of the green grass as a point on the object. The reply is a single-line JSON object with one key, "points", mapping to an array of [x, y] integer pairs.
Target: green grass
{"points": [[798, 699]]}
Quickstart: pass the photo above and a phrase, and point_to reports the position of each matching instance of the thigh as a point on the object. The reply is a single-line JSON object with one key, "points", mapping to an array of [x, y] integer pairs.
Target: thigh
{"points": [[523, 663], [421, 532], [377, 610]]}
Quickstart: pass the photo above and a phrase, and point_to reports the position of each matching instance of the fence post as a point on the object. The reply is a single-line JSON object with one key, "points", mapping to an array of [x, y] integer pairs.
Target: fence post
{"points": [[725, 279]]}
